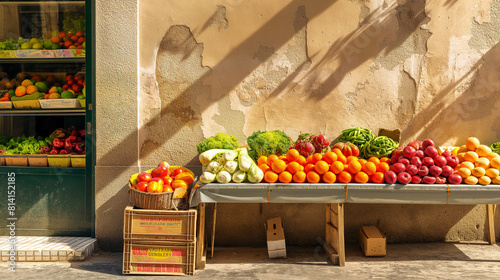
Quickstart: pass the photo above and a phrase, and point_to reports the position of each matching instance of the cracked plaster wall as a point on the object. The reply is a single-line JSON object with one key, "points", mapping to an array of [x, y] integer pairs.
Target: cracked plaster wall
{"points": [[428, 68]]}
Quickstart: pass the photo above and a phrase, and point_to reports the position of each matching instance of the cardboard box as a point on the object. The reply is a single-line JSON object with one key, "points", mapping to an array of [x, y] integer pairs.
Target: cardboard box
{"points": [[276, 246], [372, 241], [158, 257], [171, 225]]}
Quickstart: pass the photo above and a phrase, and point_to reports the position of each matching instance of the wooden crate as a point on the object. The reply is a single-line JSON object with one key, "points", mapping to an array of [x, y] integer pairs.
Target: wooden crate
{"points": [[159, 257], [334, 233], [167, 225]]}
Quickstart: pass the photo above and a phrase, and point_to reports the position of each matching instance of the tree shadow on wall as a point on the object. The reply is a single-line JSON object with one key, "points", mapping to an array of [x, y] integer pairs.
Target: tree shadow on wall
{"points": [[476, 102]]}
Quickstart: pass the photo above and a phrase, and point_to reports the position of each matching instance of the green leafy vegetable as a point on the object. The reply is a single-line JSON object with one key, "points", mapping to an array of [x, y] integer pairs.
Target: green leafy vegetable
{"points": [[23, 145], [495, 147], [265, 143], [219, 141]]}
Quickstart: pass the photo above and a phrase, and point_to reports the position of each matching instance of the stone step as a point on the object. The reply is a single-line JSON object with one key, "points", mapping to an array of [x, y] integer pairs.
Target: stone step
{"points": [[47, 248]]}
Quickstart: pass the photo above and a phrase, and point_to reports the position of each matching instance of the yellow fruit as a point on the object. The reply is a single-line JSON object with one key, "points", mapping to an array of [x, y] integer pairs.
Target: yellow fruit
{"points": [[496, 181], [492, 173], [495, 162], [471, 180], [133, 179], [472, 143], [462, 149], [471, 156], [478, 172], [492, 156], [483, 150], [454, 152], [484, 180], [26, 83], [483, 162], [31, 89], [463, 172], [460, 157], [180, 192], [467, 164]]}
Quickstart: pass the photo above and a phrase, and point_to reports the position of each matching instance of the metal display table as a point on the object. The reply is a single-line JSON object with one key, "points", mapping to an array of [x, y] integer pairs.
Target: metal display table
{"points": [[335, 195]]}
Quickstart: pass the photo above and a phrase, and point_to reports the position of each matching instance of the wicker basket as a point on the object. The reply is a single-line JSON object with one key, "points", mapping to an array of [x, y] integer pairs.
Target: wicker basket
{"points": [[159, 201]]}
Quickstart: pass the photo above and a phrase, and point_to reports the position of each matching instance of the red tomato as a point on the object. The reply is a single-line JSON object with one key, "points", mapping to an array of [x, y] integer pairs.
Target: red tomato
{"points": [[167, 188], [177, 172], [158, 171], [143, 177], [157, 179], [167, 180], [142, 186]]}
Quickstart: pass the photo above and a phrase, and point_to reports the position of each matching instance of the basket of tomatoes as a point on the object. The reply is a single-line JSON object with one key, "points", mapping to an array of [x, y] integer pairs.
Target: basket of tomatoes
{"points": [[164, 187]]}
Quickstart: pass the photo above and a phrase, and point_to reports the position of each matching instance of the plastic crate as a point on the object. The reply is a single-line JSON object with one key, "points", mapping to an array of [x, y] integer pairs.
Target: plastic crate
{"points": [[27, 104], [38, 160], [59, 160], [78, 161], [16, 160], [158, 258], [59, 103], [5, 104], [170, 225]]}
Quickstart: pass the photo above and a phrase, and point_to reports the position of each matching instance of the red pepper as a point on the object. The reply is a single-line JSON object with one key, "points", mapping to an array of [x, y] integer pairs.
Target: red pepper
{"points": [[74, 133], [78, 139], [57, 143], [81, 132], [68, 144], [79, 147], [63, 152], [54, 151]]}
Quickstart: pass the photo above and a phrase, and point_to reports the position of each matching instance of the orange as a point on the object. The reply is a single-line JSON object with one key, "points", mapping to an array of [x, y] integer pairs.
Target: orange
{"points": [[293, 167], [338, 152], [330, 157], [270, 159], [302, 160], [385, 159], [337, 167], [309, 159], [313, 177], [167, 188], [344, 177], [342, 158], [299, 177], [292, 155], [351, 158], [316, 157], [369, 168], [20, 91], [185, 176], [285, 177], [321, 167], [362, 161], [375, 160], [282, 157], [383, 167], [179, 184], [270, 176], [378, 177], [361, 177], [262, 160], [329, 177], [354, 167], [309, 167], [264, 167], [26, 83], [31, 89], [278, 166]]}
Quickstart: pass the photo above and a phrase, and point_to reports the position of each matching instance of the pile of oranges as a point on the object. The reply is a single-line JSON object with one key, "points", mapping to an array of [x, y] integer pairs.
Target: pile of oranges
{"points": [[331, 167]]}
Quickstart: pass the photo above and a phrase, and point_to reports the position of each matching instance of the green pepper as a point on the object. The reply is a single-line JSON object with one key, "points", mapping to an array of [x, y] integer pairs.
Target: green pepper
{"points": [[380, 146]]}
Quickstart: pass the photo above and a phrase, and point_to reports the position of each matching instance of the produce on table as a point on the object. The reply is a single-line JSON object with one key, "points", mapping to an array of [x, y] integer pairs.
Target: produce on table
{"points": [[347, 148], [221, 140], [308, 144], [479, 164], [23, 145], [380, 146], [331, 167], [420, 163], [70, 141], [265, 143], [358, 136], [224, 166], [163, 178]]}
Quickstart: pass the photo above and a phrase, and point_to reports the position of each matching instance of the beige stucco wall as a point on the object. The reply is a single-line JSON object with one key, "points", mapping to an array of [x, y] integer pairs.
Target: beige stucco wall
{"points": [[186, 70]]}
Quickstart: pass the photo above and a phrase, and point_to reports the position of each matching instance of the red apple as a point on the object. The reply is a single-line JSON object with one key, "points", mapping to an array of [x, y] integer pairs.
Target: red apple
{"points": [[158, 171], [412, 169], [428, 161], [427, 143], [452, 161], [394, 160], [446, 153], [435, 170], [142, 186], [398, 152], [431, 152], [416, 161], [65, 87], [423, 171], [440, 180], [415, 145], [390, 177], [404, 178], [403, 160], [409, 151], [398, 168], [440, 161], [420, 154], [454, 179], [416, 179], [429, 180], [76, 88], [70, 82], [69, 77], [447, 171], [144, 177], [80, 82]]}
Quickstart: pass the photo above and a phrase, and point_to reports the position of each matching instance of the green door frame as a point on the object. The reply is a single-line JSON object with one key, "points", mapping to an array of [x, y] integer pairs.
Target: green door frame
{"points": [[90, 108]]}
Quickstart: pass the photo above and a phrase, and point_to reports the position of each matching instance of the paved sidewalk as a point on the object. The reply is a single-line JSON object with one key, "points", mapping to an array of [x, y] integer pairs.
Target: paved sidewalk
{"points": [[403, 261]]}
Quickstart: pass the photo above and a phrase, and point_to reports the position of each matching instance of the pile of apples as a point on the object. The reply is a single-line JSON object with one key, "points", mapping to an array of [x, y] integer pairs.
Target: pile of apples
{"points": [[162, 178], [74, 83], [420, 163]]}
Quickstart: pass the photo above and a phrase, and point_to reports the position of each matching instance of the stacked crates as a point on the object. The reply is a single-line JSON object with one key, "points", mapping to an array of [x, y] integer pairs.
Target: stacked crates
{"points": [[160, 242]]}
